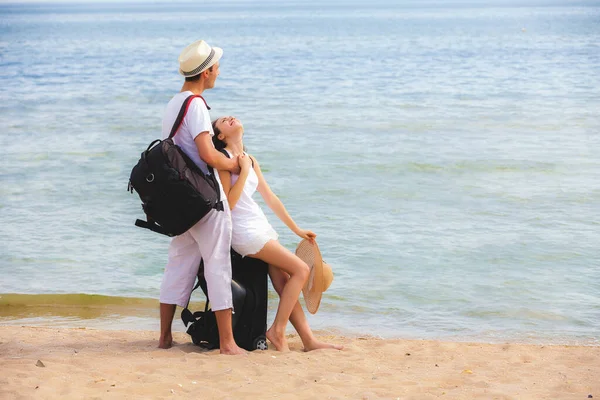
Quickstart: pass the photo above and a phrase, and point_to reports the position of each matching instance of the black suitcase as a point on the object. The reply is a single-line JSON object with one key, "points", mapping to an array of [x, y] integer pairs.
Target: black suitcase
{"points": [[250, 292]]}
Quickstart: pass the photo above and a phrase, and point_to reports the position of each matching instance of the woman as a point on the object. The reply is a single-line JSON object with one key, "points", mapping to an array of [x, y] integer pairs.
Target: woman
{"points": [[253, 236]]}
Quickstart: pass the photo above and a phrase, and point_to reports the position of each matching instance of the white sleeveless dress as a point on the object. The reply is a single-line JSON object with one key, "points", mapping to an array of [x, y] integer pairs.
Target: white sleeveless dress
{"points": [[251, 229]]}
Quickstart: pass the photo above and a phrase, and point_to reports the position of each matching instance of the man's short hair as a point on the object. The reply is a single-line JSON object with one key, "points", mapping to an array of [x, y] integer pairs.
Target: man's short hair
{"points": [[196, 78]]}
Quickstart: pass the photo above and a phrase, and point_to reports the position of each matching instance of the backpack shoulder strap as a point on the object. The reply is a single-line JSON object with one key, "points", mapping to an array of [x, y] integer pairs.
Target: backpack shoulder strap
{"points": [[186, 315], [183, 111]]}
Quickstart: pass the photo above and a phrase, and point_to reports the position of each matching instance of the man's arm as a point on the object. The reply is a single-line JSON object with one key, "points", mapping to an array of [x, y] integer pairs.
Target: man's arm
{"points": [[212, 156]]}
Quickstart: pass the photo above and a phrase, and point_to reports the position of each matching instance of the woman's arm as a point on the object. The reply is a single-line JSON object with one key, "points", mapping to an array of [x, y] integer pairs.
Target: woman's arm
{"points": [[234, 192], [273, 202]]}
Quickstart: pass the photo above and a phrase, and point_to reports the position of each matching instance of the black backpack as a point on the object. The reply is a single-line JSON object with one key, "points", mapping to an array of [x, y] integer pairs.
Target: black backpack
{"points": [[249, 292], [175, 192]]}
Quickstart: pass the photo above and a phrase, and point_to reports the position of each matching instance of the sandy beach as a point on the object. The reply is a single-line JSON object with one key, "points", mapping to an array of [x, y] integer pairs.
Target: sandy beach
{"points": [[49, 363]]}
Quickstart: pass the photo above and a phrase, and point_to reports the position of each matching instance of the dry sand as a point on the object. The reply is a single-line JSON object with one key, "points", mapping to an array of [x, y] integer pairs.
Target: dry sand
{"points": [[96, 364]]}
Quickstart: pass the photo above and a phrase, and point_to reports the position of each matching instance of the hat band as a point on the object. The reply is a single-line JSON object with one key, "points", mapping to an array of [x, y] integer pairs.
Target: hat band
{"points": [[202, 66]]}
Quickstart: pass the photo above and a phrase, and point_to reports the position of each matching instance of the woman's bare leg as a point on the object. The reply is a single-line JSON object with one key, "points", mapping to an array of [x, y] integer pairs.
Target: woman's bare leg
{"points": [[297, 317], [275, 254]]}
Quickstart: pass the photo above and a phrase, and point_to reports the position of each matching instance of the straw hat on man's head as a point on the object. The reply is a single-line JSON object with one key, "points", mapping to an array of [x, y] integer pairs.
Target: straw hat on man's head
{"points": [[320, 276], [198, 57]]}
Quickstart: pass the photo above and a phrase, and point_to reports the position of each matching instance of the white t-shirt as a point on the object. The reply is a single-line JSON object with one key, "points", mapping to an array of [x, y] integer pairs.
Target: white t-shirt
{"points": [[196, 121]]}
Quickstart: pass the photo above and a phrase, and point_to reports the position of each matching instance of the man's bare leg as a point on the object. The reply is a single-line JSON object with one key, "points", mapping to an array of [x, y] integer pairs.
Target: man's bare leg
{"points": [[297, 317], [227, 343], [226, 340], [167, 312]]}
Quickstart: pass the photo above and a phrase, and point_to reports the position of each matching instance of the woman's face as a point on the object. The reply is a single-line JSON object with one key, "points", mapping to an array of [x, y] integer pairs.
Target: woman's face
{"points": [[230, 129]]}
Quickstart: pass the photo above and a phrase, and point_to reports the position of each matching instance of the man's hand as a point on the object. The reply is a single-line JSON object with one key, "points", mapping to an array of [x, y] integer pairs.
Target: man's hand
{"points": [[213, 157], [236, 169], [244, 161]]}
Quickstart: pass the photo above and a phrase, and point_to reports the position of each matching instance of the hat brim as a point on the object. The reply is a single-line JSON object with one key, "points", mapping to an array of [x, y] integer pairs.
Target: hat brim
{"points": [[313, 290], [213, 61]]}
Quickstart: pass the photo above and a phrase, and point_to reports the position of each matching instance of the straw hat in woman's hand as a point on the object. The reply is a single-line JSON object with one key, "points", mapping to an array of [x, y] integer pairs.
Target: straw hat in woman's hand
{"points": [[320, 276]]}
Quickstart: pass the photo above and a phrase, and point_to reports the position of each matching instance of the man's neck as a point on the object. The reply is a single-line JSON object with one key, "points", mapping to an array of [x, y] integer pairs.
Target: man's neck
{"points": [[194, 87]]}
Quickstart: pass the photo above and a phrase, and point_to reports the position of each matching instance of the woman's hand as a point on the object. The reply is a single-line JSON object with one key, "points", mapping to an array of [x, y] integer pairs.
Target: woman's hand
{"points": [[245, 161], [306, 234]]}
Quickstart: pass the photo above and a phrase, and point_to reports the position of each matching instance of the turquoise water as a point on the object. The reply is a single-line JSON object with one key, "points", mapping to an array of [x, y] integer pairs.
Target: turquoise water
{"points": [[446, 153]]}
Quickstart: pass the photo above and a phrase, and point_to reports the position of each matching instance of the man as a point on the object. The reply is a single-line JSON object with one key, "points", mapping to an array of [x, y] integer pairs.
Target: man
{"points": [[210, 238]]}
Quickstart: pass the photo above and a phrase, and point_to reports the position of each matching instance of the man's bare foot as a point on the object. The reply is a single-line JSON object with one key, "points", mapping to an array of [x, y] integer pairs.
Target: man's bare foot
{"points": [[165, 342], [316, 345], [278, 340], [232, 350]]}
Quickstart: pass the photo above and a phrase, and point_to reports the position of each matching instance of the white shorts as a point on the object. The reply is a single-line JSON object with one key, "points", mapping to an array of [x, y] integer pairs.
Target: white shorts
{"points": [[251, 242], [210, 240]]}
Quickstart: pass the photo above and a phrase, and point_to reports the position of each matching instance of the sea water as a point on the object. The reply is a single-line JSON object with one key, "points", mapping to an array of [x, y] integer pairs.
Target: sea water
{"points": [[445, 153]]}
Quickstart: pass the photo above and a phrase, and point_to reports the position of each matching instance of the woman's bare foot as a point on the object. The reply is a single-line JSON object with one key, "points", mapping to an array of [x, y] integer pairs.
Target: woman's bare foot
{"points": [[232, 350], [165, 342], [278, 340], [316, 345]]}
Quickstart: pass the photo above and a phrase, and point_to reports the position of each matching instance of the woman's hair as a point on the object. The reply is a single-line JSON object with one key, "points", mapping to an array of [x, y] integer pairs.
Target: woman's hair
{"points": [[219, 144]]}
